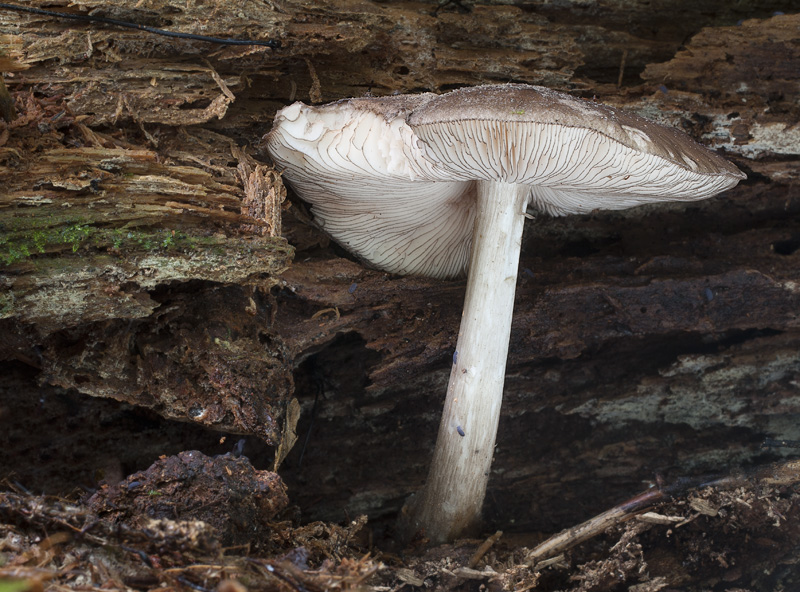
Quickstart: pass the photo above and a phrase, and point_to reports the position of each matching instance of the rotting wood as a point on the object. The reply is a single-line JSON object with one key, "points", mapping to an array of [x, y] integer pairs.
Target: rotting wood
{"points": [[660, 341], [97, 228]]}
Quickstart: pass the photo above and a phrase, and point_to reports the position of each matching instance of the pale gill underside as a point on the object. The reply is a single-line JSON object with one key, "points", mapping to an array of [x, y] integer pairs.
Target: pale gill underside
{"points": [[374, 193], [403, 199]]}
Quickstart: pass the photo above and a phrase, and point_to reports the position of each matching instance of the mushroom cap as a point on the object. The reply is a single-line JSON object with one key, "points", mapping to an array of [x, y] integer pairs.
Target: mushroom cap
{"points": [[393, 179], [577, 155]]}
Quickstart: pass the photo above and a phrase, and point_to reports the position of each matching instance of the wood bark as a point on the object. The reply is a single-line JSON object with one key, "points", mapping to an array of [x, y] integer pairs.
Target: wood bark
{"points": [[650, 344]]}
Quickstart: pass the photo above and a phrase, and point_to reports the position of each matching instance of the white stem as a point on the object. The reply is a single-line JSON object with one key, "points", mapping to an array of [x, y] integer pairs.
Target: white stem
{"points": [[451, 500]]}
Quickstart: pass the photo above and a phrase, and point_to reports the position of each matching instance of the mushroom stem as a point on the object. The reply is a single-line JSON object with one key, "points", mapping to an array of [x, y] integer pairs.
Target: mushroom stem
{"points": [[451, 500]]}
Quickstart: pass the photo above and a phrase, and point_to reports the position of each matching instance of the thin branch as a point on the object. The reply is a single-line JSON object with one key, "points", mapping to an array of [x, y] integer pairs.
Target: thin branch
{"points": [[271, 43], [782, 473]]}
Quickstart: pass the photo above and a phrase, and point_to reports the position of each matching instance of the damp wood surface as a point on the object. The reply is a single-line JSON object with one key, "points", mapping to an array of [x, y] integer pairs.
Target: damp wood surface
{"points": [[157, 294]]}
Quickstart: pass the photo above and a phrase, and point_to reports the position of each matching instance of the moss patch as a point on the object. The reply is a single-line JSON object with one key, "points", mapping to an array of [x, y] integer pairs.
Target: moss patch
{"points": [[30, 238]]}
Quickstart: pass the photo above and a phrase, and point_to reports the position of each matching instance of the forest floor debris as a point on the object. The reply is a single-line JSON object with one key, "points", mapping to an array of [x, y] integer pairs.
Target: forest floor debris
{"points": [[738, 532]]}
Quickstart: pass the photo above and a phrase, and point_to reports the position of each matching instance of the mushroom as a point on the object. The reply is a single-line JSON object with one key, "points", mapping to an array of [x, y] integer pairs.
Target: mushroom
{"points": [[437, 184]]}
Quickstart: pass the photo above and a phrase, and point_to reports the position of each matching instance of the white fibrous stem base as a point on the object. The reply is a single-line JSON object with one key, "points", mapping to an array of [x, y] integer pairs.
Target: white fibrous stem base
{"points": [[451, 500]]}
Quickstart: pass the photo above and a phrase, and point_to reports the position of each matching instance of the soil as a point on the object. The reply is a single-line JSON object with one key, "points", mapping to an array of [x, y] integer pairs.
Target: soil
{"points": [[215, 523]]}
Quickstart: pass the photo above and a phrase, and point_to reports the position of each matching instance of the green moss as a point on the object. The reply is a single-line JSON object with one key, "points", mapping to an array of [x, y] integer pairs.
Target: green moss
{"points": [[152, 240], [49, 237], [12, 252], [17, 585], [26, 238], [40, 240], [75, 235]]}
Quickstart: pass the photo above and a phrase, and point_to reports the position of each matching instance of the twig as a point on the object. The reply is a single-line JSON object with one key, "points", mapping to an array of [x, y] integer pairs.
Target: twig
{"points": [[771, 443], [334, 310], [485, 546], [784, 473], [575, 535], [190, 584], [271, 43], [622, 66], [287, 572], [220, 82]]}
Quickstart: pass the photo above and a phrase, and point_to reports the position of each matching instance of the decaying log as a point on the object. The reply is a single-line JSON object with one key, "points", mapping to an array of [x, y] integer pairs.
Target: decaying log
{"points": [[662, 341], [95, 230]]}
